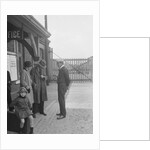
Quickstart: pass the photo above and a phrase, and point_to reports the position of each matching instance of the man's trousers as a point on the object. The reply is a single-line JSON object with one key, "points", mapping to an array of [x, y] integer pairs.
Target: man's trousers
{"points": [[61, 98]]}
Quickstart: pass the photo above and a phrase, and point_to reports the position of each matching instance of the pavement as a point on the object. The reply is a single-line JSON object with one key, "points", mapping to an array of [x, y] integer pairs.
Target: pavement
{"points": [[79, 106]]}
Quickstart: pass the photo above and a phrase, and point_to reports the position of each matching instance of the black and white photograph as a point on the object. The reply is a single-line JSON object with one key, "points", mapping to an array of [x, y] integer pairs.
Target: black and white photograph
{"points": [[52, 78], [50, 74], [78, 75]]}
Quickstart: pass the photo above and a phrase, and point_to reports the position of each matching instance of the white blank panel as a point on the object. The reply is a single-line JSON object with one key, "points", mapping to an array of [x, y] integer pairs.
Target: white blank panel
{"points": [[124, 18], [124, 89], [125, 145]]}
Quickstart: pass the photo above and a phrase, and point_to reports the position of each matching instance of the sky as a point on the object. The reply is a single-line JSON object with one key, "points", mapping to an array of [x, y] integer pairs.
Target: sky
{"points": [[71, 35]]}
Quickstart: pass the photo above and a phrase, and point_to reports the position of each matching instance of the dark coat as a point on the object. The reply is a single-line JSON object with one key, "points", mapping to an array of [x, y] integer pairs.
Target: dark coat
{"points": [[43, 86], [22, 107], [38, 85], [63, 77], [35, 76], [9, 100], [63, 81], [25, 80], [8, 81]]}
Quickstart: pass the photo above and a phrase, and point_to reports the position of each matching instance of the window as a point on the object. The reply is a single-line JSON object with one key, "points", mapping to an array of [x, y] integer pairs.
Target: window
{"points": [[11, 46], [12, 60]]}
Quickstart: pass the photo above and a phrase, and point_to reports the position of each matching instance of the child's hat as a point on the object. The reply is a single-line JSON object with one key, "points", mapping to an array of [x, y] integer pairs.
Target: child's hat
{"points": [[23, 89]]}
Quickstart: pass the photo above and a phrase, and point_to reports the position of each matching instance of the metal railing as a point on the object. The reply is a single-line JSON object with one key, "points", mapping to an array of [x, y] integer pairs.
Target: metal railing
{"points": [[80, 70]]}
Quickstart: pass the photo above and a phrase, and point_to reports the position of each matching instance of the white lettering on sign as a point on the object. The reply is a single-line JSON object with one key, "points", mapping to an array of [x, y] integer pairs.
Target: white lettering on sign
{"points": [[14, 34]]}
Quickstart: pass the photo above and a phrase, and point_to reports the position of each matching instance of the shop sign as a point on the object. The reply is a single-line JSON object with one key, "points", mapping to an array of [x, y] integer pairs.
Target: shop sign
{"points": [[15, 34]]}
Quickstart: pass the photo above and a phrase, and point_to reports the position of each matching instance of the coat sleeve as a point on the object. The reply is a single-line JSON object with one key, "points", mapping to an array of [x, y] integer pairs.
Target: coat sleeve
{"points": [[8, 80], [66, 75], [22, 79], [8, 77], [32, 77]]}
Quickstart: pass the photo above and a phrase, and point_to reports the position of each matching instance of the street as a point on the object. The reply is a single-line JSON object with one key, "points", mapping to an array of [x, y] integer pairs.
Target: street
{"points": [[79, 119]]}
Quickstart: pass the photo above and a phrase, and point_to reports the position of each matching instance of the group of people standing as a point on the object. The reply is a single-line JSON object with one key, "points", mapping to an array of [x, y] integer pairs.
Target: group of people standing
{"points": [[33, 92], [34, 80], [31, 95]]}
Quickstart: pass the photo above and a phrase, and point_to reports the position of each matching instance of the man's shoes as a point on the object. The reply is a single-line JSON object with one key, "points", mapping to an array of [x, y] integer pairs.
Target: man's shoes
{"points": [[58, 114], [43, 114], [60, 117]]}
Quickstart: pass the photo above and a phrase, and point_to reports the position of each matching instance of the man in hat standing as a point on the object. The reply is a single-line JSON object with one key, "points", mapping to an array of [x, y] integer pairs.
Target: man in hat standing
{"points": [[63, 82], [39, 86], [43, 90], [36, 85]]}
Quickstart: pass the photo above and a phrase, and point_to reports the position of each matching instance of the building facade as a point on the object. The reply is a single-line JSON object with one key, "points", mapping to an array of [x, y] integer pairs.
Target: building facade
{"points": [[27, 40]]}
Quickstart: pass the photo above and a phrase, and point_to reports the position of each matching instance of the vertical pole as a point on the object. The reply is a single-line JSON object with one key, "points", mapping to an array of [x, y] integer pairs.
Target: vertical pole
{"points": [[46, 51]]}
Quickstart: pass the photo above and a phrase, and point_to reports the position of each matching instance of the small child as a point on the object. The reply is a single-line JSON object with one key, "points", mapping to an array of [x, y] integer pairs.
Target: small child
{"points": [[23, 109]]}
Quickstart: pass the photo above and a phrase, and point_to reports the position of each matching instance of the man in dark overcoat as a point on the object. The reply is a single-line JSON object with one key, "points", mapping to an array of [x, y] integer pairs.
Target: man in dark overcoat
{"points": [[39, 86], [43, 89], [35, 76], [63, 82]]}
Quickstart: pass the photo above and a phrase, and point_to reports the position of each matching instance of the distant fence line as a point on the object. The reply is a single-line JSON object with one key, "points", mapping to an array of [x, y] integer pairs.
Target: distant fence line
{"points": [[79, 69]]}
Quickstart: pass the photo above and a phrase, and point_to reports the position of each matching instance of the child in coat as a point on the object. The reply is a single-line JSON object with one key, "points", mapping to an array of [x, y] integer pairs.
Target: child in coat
{"points": [[23, 109]]}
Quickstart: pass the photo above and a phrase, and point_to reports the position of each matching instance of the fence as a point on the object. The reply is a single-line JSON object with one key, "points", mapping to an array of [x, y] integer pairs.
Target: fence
{"points": [[79, 69]]}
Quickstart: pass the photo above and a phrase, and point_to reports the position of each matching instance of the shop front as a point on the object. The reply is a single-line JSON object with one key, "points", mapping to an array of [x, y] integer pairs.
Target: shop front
{"points": [[27, 40]]}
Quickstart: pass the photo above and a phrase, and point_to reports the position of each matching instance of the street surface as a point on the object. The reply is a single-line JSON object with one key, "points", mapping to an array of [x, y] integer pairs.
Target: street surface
{"points": [[79, 104]]}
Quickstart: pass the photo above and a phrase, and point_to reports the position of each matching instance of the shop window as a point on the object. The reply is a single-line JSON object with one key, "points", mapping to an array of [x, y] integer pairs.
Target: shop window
{"points": [[11, 46], [14, 59], [19, 47]]}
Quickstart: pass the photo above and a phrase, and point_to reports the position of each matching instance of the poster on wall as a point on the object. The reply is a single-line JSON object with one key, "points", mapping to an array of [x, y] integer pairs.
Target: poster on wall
{"points": [[12, 66]]}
